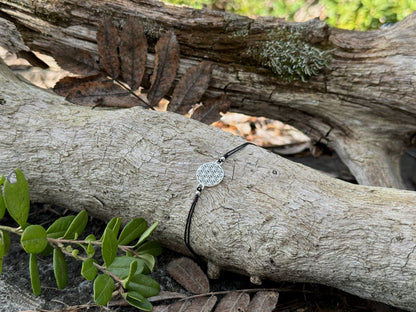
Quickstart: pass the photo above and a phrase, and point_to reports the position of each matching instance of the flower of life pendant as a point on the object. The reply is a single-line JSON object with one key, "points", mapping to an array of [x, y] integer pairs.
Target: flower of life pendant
{"points": [[210, 174]]}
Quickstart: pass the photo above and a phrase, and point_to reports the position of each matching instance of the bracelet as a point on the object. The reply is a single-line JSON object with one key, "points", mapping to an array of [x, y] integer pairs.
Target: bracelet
{"points": [[208, 174]]}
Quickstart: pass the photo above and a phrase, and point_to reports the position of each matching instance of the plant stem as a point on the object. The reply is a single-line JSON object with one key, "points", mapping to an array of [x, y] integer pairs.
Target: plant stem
{"points": [[55, 244], [134, 94], [74, 241], [17, 230]]}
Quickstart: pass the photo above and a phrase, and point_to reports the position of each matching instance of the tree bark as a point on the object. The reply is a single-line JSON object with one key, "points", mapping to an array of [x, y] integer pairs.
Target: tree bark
{"points": [[270, 218], [362, 105]]}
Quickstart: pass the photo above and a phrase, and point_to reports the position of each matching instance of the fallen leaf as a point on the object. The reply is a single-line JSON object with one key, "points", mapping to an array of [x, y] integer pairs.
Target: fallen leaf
{"points": [[133, 52], [209, 112], [190, 88], [187, 273], [76, 61], [179, 306], [234, 302], [95, 90], [263, 301], [202, 304], [107, 41], [166, 65]]}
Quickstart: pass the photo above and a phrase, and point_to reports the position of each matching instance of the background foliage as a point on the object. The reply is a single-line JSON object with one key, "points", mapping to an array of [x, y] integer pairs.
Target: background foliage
{"points": [[348, 14]]}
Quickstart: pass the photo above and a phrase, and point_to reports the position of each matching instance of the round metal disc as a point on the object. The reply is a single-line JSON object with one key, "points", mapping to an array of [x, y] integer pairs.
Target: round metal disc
{"points": [[210, 174]]}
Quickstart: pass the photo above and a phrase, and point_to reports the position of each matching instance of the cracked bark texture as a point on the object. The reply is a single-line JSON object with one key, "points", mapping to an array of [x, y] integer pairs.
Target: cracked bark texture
{"points": [[270, 218], [362, 106]]}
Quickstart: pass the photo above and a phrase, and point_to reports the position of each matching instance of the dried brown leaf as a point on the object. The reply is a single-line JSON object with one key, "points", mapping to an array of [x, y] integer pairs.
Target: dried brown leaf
{"points": [[263, 301], [209, 112], [133, 52], [202, 304], [187, 273], [107, 41], [94, 91], [166, 65], [190, 88], [77, 61], [179, 306], [234, 302]]}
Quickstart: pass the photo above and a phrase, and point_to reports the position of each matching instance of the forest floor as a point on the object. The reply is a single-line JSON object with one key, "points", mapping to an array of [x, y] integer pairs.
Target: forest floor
{"points": [[271, 134]]}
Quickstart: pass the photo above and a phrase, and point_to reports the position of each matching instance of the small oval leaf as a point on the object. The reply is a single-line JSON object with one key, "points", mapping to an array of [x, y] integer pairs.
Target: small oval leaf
{"points": [[147, 233], [109, 247], [16, 198], [133, 229], [88, 270], [77, 225], [151, 247], [121, 266], [59, 268], [34, 239], [57, 230], [90, 238], [114, 225], [149, 261], [59, 227], [90, 250], [138, 301], [103, 289], [133, 269], [34, 274], [187, 273], [144, 285]]}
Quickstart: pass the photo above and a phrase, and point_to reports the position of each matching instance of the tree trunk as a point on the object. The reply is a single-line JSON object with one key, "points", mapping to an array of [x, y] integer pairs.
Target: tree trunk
{"points": [[270, 218], [362, 105]]}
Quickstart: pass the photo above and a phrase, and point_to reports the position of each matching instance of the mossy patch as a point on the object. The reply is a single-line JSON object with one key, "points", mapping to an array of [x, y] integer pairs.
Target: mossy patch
{"points": [[289, 56]]}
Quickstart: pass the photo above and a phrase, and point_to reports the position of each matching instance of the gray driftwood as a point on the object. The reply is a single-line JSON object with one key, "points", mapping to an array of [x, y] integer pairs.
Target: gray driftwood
{"points": [[362, 106], [269, 218]]}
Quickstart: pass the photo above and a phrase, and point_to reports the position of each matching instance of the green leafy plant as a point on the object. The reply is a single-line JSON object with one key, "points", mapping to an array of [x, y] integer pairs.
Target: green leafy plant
{"points": [[347, 14], [127, 254]]}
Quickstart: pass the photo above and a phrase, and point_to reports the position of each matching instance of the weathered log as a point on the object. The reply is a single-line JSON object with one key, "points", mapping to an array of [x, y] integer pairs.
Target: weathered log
{"points": [[362, 106], [270, 218]]}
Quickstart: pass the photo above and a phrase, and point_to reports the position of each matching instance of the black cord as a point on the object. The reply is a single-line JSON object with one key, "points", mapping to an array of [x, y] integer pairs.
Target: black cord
{"points": [[235, 150], [187, 234]]}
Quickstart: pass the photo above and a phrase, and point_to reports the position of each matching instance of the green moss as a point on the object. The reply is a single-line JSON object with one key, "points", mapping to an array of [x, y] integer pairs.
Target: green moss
{"points": [[289, 56], [152, 29]]}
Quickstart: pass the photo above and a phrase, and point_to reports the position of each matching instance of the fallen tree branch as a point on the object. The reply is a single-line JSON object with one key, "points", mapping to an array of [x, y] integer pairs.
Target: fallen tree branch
{"points": [[362, 106], [270, 218]]}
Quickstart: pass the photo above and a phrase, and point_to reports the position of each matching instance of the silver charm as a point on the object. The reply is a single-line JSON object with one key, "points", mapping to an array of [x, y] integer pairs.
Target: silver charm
{"points": [[210, 174]]}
